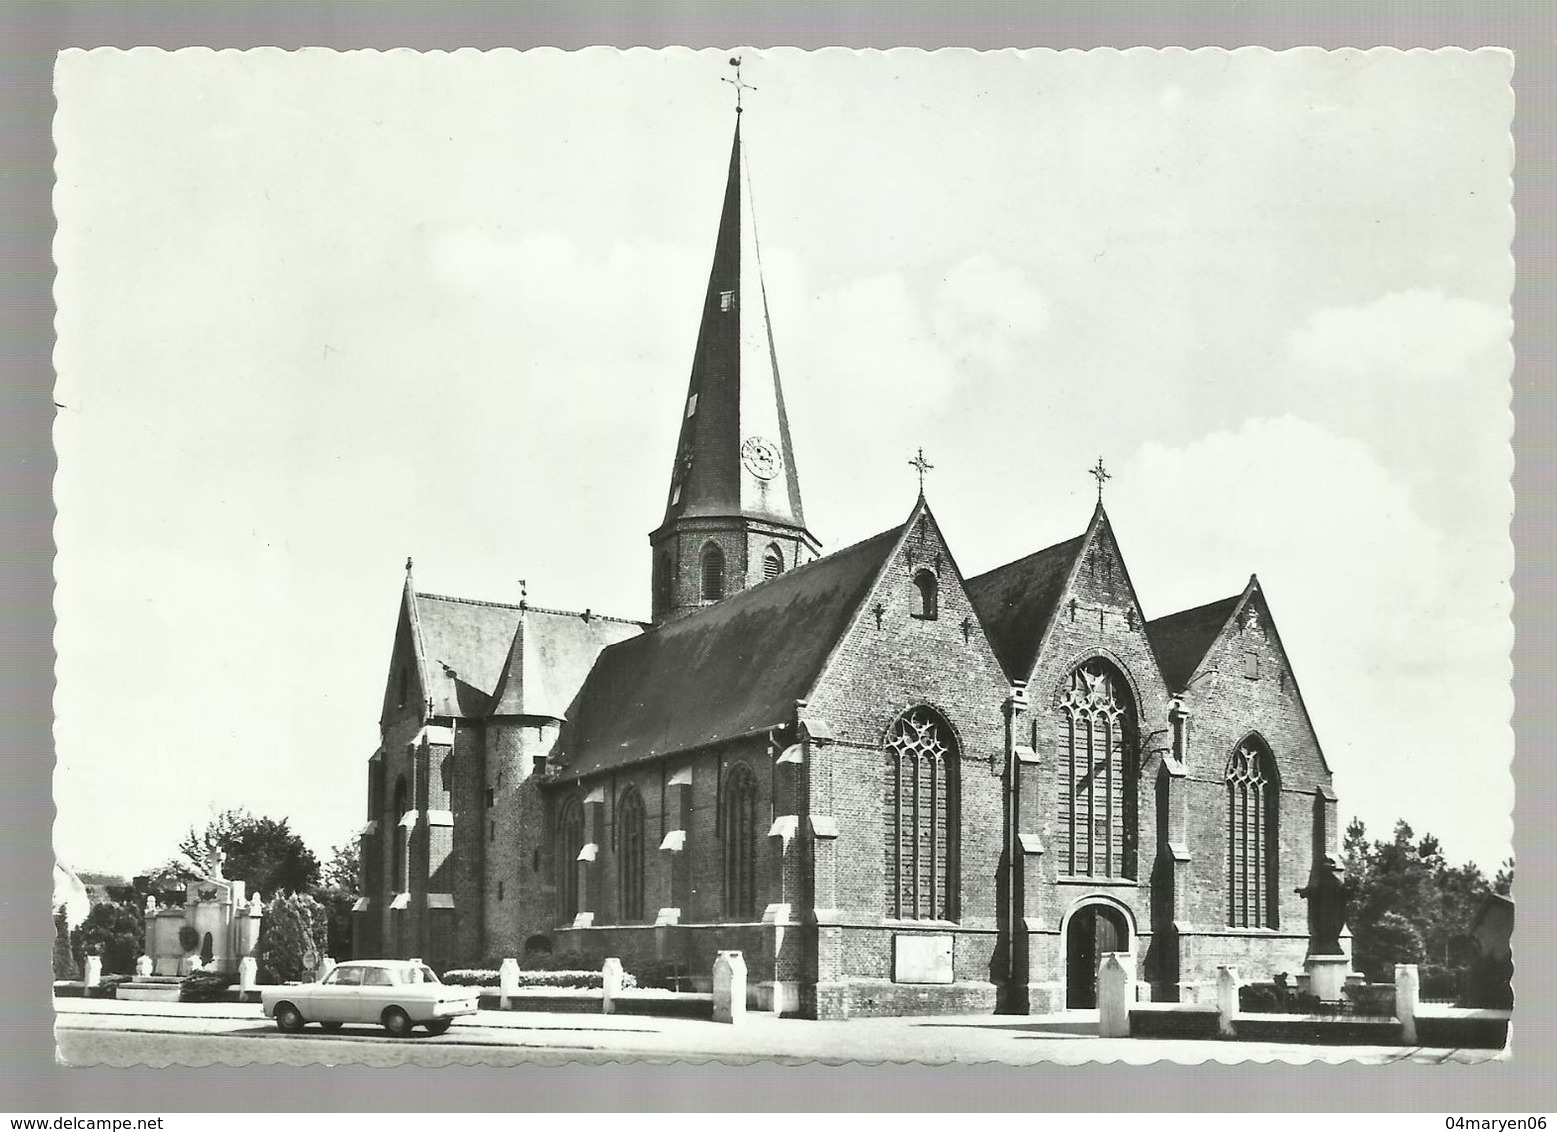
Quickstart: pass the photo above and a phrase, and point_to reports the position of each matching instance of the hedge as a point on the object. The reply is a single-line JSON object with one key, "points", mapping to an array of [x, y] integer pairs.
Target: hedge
{"points": [[486, 977], [206, 986]]}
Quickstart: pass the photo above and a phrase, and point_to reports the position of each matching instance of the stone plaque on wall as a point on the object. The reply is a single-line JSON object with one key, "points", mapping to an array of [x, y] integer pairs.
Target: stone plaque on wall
{"points": [[921, 958]]}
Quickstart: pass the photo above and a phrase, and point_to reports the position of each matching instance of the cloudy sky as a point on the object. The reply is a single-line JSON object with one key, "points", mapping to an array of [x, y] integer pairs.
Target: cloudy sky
{"points": [[319, 312]]}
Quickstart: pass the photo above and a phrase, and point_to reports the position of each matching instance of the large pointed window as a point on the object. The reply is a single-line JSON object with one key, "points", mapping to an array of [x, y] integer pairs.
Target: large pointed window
{"points": [[1097, 773], [1251, 837], [402, 835], [740, 843], [629, 855], [712, 563], [920, 808], [570, 843]]}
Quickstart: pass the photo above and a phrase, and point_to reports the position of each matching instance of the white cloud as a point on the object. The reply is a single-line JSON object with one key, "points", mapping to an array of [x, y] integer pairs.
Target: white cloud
{"points": [[1399, 636], [1407, 335], [984, 309]]}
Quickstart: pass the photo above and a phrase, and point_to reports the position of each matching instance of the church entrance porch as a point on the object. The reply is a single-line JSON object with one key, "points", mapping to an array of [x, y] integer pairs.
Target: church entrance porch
{"points": [[1095, 929]]}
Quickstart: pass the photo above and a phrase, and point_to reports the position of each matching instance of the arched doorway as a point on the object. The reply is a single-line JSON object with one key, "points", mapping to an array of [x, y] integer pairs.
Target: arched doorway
{"points": [[1095, 929]]}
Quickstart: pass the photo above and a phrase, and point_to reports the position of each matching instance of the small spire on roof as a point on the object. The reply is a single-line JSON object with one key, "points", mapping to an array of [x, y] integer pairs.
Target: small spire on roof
{"points": [[408, 564], [735, 61], [1100, 474]]}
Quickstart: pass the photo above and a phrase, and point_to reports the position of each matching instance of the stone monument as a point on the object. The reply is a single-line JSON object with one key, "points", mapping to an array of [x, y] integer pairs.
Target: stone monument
{"points": [[1327, 963], [222, 922]]}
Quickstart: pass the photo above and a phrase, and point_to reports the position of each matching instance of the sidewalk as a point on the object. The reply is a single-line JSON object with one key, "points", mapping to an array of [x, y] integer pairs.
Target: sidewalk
{"points": [[1068, 1038]]}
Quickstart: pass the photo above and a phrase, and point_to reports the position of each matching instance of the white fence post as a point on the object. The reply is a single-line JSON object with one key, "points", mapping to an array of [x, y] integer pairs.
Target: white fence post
{"points": [[248, 977], [1226, 1000], [1115, 994], [610, 985], [1407, 987], [508, 981], [94, 970], [730, 987]]}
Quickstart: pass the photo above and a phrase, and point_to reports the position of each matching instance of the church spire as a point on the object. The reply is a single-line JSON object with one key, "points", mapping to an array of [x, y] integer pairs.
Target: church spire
{"points": [[733, 482]]}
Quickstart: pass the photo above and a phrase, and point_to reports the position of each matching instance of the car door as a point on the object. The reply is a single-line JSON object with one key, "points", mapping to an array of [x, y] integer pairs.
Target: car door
{"points": [[378, 991], [334, 999]]}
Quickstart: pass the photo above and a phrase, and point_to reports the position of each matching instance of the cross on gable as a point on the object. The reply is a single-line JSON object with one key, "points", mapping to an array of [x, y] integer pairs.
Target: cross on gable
{"points": [[1100, 474], [921, 465]]}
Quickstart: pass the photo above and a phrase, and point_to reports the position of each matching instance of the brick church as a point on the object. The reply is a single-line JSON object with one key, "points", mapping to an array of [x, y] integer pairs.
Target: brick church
{"points": [[894, 788]]}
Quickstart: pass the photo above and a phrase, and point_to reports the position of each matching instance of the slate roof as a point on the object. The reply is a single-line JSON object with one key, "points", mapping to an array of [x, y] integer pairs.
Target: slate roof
{"points": [[550, 657], [1182, 639], [471, 666], [1016, 602], [730, 669]]}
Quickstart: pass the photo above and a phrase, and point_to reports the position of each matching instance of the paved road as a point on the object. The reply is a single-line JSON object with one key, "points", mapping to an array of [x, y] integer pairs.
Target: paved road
{"points": [[92, 1032]]}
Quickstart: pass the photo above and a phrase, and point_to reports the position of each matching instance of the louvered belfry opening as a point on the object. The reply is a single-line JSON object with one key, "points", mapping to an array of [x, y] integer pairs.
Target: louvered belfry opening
{"points": [[1098, 802], [712, 573], [1251, 840], [920, 805]]}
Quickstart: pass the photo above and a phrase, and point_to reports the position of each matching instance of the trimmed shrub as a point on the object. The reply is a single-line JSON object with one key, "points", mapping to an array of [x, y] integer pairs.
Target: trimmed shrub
{"points": [[1258, 999], [486, 977], [664, 974], [206, 986], [293, 936], [117, 932], [109, 986], [64, 962]]}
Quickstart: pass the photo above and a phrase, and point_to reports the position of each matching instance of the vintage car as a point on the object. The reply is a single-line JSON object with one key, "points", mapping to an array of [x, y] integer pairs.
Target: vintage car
{"points": [[397, 994]]}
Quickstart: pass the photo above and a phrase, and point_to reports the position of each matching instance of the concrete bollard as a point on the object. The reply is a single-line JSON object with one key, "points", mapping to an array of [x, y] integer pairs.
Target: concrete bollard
{"points": [[248, 977], [730, 987], [1227, 985], [1408, 986], [142, 966], [1115, 994], [610, 985], [94, 971], [508, 982]]}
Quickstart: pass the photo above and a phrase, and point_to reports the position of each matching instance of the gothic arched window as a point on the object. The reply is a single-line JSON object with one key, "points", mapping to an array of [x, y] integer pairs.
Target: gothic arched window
{"points": [[920, 808], [1097, 773], [402, 835], [929, 595], [1251, 837], [629, 855], [712, 572], [740, 843], [570, 843], [772, 563]]}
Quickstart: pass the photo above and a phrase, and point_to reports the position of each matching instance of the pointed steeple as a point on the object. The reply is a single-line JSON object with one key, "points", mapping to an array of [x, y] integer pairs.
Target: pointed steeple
{"points": [[733, 482]]}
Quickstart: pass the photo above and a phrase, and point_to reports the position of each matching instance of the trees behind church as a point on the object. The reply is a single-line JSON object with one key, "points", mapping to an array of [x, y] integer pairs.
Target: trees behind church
{"points": [[1409, 905]]}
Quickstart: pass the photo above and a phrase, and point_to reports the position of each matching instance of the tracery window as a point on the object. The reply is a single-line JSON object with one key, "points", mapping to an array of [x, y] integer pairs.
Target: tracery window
{"points": [[712, 572], [920, 807], [740, 843], [629, 855], [570, 843], [1251, 837], [1098, 786]]}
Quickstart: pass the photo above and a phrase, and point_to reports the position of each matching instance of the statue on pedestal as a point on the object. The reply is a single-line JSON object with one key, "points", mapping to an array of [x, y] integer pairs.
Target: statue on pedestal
{"points": [[1327, 892]]}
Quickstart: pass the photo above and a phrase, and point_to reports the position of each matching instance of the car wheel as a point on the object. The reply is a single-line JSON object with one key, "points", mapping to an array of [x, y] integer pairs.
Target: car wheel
{"points": [[289, 1018], [441, 1026], [397, 1022], [331, 1026]]}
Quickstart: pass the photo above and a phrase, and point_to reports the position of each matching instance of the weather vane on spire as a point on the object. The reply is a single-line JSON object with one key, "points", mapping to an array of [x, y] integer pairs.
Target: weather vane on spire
{"points": [[921, 465], [1100, 474], [737, 82]]}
